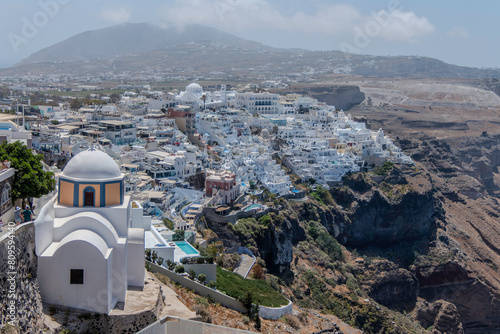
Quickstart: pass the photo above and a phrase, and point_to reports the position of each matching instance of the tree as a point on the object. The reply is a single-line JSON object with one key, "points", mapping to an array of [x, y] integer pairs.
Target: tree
{"points": [[179, 268], [76, 104], [154, 256], [115, 97], [247, 301], [204, 98], [170, 264], [202, 278], [148, 254], [160, 261], [30, 179]]}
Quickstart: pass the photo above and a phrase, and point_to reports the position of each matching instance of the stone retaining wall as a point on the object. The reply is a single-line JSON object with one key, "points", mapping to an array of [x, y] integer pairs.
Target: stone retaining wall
{"points": [[271, 313], [200, 289], [274, 313], [19, 277]]}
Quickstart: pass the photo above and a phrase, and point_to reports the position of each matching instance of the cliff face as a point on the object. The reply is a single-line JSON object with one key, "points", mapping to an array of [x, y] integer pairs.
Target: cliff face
{"points": [[341, 96], [273, 243], [462, 264], [401, 208]]}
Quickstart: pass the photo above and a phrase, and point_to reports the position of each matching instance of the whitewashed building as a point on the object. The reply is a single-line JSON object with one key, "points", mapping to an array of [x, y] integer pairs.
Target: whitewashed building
{"points": [[90, 237]]}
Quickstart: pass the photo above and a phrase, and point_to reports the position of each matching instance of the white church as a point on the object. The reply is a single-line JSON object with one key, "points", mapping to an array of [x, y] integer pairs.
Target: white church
{"points": [[90, 237]]}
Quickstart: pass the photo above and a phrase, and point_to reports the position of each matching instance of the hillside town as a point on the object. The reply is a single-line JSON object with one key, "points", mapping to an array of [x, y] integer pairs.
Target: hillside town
{"points": [[166, 161], [207, 148]]}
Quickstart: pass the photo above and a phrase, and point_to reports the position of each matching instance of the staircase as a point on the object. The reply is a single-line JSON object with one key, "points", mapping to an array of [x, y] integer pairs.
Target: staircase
{"points": [[245, 265]]}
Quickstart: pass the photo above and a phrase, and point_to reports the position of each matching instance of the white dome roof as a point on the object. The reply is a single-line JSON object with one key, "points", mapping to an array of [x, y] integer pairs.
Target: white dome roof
{"points": [[92, 165], [194, 88]]}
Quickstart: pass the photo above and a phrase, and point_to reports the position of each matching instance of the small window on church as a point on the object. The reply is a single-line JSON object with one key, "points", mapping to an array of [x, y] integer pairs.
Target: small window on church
{"points": [[76, 276]]}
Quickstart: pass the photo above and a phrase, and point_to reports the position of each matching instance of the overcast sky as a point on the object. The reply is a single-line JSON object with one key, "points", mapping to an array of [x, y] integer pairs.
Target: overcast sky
{"points": [[460, 32]]}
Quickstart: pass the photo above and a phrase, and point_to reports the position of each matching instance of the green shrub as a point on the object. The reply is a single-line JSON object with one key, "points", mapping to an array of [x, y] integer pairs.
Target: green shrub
{"points": [[322, 195], [191, 273], [202, 278], [179, 269]]}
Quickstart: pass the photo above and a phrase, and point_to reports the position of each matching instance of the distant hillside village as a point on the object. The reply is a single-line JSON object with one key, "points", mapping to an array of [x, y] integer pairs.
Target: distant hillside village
{"points": [[158, 137], [178, 157]]}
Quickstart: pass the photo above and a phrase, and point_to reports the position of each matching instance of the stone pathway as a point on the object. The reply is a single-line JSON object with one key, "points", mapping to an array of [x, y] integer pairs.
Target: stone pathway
{"points": [[245, 265], [173, 306]]}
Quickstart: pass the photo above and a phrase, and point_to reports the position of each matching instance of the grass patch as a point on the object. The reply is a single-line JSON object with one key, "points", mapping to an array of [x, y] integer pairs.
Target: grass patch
{"points": [[237, 287]]}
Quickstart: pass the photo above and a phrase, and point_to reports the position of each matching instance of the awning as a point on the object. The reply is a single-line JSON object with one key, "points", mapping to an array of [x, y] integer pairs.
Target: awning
{"points": [[222, 208]]}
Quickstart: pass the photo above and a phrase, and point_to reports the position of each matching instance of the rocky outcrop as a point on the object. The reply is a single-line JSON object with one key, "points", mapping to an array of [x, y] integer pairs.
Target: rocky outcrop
{"points": [[446, 273], [440, 316], [393, 287], [19, 291], [342, 97], [402, 208], [273, 243]]}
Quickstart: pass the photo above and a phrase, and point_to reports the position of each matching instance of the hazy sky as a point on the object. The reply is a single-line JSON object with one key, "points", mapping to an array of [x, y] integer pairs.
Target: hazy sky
{"points": [[460, 32]]}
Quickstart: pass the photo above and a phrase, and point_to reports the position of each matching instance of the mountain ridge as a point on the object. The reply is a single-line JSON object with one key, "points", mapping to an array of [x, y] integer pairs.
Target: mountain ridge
{"points": [[136, 38], [199, 50]]}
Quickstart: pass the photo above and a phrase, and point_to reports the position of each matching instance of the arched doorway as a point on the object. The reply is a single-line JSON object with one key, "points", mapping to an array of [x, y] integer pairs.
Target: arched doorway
{"points": [[89, 196]]}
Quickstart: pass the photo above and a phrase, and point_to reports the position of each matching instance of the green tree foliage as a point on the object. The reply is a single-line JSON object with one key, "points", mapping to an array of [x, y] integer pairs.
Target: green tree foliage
{"points": [[30, 179], [266, 219], [247, 301], [384, 169], [323, 195], [76, 104], [325, 241], [170, 264], [115, 97]]}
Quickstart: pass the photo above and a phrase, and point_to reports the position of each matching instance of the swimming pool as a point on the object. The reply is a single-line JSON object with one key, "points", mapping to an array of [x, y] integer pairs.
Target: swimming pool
{"points": [[186, 247], [253, 207]]}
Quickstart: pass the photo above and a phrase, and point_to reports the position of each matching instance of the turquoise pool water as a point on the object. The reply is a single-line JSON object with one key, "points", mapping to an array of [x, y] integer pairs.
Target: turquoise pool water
{"points": [[253, 207], [186, 247]]}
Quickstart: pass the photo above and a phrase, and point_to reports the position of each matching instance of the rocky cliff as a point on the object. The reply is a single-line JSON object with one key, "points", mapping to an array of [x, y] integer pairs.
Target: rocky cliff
{"points": [[341, 96], [272, 242], [400, 208]]}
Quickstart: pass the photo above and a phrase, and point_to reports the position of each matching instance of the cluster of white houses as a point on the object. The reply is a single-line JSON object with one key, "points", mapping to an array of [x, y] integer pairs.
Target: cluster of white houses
{"points": [[165, 141], [169, 156]]}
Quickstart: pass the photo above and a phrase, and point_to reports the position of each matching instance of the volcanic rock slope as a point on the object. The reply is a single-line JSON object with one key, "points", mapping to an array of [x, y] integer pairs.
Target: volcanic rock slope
{"points": [[459, 146]]}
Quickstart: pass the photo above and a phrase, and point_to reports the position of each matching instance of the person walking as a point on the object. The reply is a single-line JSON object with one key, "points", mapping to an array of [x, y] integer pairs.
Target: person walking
{"points": [[27, 214], [17, 215]]}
